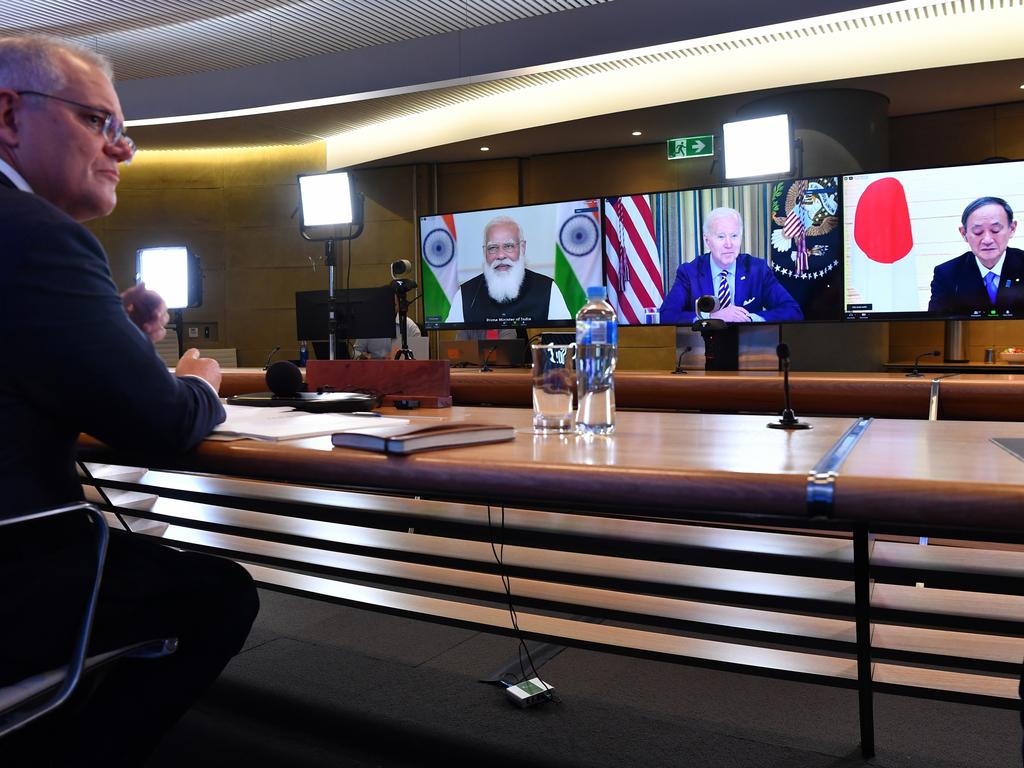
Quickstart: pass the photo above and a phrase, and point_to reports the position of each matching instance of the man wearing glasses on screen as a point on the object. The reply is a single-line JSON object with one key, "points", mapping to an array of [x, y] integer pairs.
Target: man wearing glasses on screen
{"points": [[744, 287], [989, 277], [507, 290]]}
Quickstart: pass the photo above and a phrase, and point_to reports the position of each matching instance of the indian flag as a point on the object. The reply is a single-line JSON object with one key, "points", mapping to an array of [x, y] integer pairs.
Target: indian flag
{"points": [[440, 265], [577, 251]]}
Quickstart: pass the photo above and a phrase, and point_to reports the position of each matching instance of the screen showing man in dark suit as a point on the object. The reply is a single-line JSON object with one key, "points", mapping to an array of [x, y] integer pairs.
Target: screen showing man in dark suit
{"points": [[986, 280], [506, 290], [744, 286]]}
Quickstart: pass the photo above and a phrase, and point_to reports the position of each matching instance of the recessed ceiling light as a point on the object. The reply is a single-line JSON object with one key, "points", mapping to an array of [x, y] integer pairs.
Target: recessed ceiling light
{"points": [[485, 149], [1022, 86], [638, 133]]}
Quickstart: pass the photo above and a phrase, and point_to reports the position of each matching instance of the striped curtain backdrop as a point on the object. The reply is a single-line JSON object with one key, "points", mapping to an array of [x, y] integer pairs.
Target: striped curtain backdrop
{"points": [[679, 221]]}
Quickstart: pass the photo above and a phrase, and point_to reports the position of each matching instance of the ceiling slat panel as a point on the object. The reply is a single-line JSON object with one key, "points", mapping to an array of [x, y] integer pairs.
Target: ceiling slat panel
{"points": [[154, 39]]}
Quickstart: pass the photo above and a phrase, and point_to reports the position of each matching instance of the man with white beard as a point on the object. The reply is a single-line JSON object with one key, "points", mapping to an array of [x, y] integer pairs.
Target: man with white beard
{"points": [[507, 290]]}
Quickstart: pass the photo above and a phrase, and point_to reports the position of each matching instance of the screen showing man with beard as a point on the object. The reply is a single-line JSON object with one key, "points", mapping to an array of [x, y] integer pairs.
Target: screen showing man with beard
{"points": [[506, 291], [512, 267]]}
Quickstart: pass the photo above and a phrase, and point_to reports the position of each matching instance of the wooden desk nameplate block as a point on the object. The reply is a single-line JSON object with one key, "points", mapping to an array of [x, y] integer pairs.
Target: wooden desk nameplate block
{"points": [[428, 381]]}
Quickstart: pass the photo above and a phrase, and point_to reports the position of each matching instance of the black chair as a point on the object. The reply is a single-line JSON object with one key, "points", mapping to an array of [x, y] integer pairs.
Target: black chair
{"points": [[28, 699]]}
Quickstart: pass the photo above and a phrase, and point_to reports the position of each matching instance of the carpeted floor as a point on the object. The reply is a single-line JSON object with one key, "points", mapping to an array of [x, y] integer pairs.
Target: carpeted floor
{"points": [[326, 685]]}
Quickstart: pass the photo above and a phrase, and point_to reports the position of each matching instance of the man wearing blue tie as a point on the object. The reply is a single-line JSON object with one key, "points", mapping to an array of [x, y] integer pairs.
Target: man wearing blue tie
{"points": [[989, 277], [745, 286]]}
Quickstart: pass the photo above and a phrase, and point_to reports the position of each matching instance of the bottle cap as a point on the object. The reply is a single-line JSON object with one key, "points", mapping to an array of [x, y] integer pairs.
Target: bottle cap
{"points": [[597, 292]]}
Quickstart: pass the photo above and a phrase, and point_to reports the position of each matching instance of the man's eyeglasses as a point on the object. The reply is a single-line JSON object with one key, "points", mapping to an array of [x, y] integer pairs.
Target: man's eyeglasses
{"points": [[508, 247], [104, 122]]}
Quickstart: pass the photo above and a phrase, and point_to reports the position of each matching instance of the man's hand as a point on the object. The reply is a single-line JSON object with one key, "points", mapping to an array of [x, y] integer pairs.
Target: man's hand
{"points": [[191, 364], [732, 314], [147, 310]]}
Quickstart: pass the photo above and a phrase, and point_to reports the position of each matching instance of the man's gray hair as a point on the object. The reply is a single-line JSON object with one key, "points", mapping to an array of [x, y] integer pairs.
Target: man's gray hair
{"points": [[32, 62], [720, 213], [498, 221]]}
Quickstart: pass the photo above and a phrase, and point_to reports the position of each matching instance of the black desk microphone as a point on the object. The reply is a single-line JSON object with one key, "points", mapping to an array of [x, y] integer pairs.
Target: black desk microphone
{"points": [[789, 419], [679, 362], [284, 379], [915, 372], [270, 357], [488, 353]]}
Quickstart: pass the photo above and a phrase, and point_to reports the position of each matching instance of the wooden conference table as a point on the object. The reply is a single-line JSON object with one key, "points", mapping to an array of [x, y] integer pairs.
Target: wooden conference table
{"points": [[989, 396], [665, 464], [680, 522]]}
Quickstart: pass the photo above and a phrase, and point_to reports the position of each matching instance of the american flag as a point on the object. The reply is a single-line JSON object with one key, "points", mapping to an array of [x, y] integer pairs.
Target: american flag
{"points": [[632, 263], [795, 228]]}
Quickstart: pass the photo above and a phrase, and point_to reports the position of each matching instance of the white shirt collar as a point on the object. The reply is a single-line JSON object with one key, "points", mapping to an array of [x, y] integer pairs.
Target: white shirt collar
{"points": [[13, 175], [997, 267]]}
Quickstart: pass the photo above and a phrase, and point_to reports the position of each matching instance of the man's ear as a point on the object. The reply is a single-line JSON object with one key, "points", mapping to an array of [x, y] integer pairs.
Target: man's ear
{"points": [[8, 126], [963, 233]]}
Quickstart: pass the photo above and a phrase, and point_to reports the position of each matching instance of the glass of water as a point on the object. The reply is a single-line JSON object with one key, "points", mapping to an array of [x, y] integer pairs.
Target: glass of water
{"points": [[554, 381]]}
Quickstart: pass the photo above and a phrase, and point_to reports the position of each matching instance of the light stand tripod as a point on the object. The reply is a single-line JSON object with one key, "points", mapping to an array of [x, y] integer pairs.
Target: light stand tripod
{"points": [[401, 288], [330, 236], [331, 261]]}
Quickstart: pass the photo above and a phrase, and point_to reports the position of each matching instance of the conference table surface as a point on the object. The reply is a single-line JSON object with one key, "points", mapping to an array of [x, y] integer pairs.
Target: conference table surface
{"points": [[991, 396], [661, 464]]}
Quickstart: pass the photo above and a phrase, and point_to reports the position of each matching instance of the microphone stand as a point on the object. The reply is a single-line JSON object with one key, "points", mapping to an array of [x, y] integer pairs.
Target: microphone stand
{"points": [[916, 373], [789, 419], [273, 352], [679, 362], [488, 351]]}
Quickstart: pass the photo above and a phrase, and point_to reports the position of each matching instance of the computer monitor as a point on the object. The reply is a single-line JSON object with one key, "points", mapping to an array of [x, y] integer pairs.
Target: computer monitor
{"points": [[787, 248], [361, 313], [510, 267], [909, 254]]}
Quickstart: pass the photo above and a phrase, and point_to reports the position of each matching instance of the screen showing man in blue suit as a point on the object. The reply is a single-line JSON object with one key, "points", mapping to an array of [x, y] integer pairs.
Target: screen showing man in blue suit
{"points": [[987, 279], [745, 287]]}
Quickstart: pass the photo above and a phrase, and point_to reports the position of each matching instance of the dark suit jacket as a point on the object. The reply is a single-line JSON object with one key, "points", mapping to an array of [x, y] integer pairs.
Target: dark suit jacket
{"points": [[531, 304], [959, 289], [757, 291], [74, 362]]}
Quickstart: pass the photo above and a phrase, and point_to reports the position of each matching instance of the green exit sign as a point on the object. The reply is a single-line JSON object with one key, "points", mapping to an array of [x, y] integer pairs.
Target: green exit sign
{"points": [[691, 146]]}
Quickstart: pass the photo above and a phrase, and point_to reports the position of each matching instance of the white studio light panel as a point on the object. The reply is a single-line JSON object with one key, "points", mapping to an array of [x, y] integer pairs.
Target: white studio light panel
{"points": [[759, 147], [326, 199], [166, 270]]}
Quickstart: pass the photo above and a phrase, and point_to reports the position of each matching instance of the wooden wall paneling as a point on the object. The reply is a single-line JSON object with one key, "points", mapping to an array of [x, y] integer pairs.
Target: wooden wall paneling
{"points": [[475, 185]]}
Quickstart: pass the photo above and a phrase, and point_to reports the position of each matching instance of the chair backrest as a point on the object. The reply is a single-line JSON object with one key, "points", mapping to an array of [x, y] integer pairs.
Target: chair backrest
{"points": [[19, 702]]}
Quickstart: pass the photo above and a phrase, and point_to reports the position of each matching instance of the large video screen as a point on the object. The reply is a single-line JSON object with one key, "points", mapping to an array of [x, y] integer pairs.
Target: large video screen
{"points": [[934, 243], [768, 252], [510, 267]]}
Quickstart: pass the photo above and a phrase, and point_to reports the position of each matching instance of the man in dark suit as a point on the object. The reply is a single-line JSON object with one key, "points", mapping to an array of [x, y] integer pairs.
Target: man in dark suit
{"points": [[745, 287], [990, 276], [77, 361]]}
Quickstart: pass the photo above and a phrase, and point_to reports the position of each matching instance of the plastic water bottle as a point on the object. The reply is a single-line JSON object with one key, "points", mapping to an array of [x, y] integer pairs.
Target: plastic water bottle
{"points": [[596, 354], [303, 354]]}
